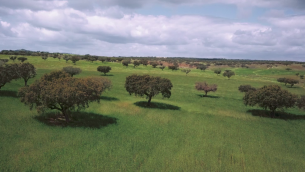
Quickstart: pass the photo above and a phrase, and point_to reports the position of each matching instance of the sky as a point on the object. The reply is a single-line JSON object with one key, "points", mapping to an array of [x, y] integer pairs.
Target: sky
{"points": [[232, 29]]}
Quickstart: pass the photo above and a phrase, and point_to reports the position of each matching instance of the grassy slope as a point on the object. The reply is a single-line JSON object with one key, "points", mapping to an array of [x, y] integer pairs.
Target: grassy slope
{"points": [[188, 133]]}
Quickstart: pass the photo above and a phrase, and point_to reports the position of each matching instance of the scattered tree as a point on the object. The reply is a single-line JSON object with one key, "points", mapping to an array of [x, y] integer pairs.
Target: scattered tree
{"points": [[13, 58], [175, 66], [92, 59], [228, 73], [288, 69], [64, 93], [125, 62], [202, 67], [297, 74], [104, 69], [67, 58], [7, 74], [144, 62], [102, 59], [217, 71], [186, 71], [154, 64], [162, 67], [22, 59], [71, 70], [282, 80], [74, 59], [203, 86], [246, 88], [25, 71], [44, 57], [136, 63], [301, 102], [292, 81], [148, 86], [301, 76], [270, 97]]}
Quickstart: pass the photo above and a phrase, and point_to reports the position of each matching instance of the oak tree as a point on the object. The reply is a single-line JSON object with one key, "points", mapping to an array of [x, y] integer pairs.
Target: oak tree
{"points": [[7, 74], [104, 69], [246, 88], [228, 73], [270, 97], [25, 71], [59, 91], [217, 71], [203, 86], [186, 71], [149, 86], [74, 59], [72, 70], [22, 59]]}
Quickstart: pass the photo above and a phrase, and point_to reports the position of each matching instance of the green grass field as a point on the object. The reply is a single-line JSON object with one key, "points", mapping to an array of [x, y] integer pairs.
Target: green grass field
{"points": [[184, 133]]}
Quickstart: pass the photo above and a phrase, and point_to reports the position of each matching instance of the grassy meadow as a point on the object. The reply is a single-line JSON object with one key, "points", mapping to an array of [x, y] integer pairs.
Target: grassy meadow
{"points": [[186, 132]]}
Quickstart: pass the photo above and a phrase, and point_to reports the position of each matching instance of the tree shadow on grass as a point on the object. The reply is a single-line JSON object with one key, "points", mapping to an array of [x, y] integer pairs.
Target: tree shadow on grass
{"points": [[78, 119], [208, 96], [278, 115], [107, 75], [155, 105], [109, 98], [7, 93]]}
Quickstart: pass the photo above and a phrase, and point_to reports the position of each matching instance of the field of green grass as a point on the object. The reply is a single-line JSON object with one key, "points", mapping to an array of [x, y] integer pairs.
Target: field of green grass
{"points": [[186, 132]]}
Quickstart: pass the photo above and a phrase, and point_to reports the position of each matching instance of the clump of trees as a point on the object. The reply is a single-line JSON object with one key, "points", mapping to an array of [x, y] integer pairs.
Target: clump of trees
{"points": [[72, 70], [246, 88], [217, 71], [204, 86], [186, 71], [228, 73], [174, 66], [270, 97], [104, 69], [201, 66], [58, 90], [149, 86]]}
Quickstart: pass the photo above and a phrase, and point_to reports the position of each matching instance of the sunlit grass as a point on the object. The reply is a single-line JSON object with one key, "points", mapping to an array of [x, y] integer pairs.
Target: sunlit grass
{"points": [[184, 133]]}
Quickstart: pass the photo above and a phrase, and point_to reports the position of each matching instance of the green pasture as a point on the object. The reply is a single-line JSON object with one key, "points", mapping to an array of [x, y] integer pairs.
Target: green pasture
{"points": [[186, 132]]}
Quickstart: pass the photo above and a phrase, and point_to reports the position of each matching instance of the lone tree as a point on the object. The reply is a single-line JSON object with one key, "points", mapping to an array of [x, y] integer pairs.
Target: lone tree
{"points": [[125, 62], [22, 59], [202, 67], [74, 59], [7, 74], [149, 86], [67, 58], [301, 76], [154, 64], [228, 73], [13, 58], [288, 69], [297, 74], [282, 80], [59, 91], [144, 62], [270, 97], [104, 69], [136, 63], [162, 67], [25, 71], [246, 88], [72, 70], [217, 71], [291, 81], [186, 71], [203, 86], [44, 57]]}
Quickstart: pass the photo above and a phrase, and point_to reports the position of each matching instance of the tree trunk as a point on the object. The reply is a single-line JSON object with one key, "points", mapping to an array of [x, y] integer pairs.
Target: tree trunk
{"points": [[206, 93], [149, 100], [66, 116], [25, 82]]}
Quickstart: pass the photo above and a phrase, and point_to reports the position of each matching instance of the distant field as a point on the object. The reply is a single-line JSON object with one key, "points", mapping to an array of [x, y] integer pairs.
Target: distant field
{"points": [[184, 133]]}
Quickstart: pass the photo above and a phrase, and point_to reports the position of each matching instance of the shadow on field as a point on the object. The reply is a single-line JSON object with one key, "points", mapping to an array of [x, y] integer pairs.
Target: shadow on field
{"points": [[107, 75], [78, 119], [109, 98], [7, 93], [154, 105], [278, 115], [208, 96]]}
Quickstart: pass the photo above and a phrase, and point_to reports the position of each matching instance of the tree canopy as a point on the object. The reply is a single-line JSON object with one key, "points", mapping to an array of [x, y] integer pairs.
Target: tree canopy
{"points": [[228, 73], [59, 91], [104, 69], [25, 71], [270, 97], [72, 70], [217, 71], [246, 88], [7, 74], [203, 86], [149, 86]]}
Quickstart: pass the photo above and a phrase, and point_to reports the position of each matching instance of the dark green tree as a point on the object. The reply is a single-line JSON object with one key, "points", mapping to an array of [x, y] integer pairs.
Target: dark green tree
{"points": [[66, 58], [301, 102], [125, 62], [149, 86], [25, 71], [136, 63], [292, 81], [74, 59], [246, 88], [13, 58], [270, 97], [45, 57], [228, 73], [154, 64], [104, 69], [64, 93], [22, 59], [71, 70], [186, 71], [203, 86], [217, 71], [162, 67], [7, 74]]}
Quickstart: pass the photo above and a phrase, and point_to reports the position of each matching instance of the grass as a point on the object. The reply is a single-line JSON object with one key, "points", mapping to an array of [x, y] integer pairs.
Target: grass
{"points": [[187, 132]]}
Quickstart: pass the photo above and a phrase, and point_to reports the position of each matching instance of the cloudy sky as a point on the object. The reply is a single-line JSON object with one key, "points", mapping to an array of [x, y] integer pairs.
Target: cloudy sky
{"points": [[236, 29]]}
